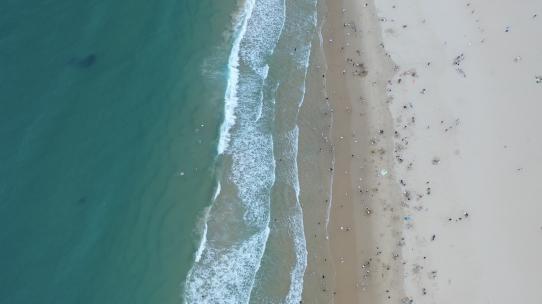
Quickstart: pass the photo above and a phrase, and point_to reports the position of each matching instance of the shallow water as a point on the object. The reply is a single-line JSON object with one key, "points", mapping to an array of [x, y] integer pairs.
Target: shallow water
{"points": [[253, 249]]}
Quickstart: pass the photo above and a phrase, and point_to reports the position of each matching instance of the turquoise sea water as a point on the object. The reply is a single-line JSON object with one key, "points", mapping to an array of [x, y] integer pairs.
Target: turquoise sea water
{"points": [[102, 105], [149, 150]]}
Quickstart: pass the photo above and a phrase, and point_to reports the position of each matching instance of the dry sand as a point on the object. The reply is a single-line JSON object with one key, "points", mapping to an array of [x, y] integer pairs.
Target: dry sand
{"points": [[475, 146], [434, 151]]}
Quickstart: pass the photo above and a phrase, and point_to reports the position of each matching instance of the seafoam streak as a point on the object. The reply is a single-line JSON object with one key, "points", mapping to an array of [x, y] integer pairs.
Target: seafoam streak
{"points": [[230, 96], [296, 226], [302, 57], [205, 218]]}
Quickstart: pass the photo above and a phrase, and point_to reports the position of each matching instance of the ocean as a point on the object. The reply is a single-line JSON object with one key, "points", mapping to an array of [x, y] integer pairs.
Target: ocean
{"points": [[149, 150]]}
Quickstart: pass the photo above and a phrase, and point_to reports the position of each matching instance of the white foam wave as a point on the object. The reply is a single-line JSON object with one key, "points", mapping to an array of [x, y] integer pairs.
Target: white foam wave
{"points": [[296, 226], [217, 191], [203, 240], [224, 272], [220, 281], [205, 219], [296, 223], [253, 173], [230, 97], [266, 26]]}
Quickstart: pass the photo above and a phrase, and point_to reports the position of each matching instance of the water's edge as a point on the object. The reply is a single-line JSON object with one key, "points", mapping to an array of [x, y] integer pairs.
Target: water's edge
{"points": [[258, 152]]}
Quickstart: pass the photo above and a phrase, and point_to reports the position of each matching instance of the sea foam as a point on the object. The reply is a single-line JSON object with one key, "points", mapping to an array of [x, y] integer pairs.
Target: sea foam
{"points": [[224, 271], [230, 253], [296, 226], [203, 224], [304, 25], [230, 97]]}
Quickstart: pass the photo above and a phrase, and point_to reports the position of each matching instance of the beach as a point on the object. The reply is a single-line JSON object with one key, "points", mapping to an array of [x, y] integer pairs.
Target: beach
{"points": [[271, 151], [433, 152]]}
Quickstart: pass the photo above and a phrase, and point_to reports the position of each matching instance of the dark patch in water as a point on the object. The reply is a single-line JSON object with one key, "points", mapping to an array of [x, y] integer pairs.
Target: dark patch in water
{"points": [[84, 62]]}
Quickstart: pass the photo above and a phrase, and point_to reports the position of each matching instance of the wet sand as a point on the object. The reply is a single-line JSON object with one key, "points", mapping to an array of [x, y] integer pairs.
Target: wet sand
{"points": [[361, 262], [423, 119], [366, 214]]}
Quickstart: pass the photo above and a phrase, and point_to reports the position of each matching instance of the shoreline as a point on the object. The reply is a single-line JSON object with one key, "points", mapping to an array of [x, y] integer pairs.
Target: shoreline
{"points": [[315, 162], [350, 75]]}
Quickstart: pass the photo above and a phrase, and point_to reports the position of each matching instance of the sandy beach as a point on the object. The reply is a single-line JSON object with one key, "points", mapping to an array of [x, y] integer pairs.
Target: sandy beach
{"points": [[430, 139]]}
